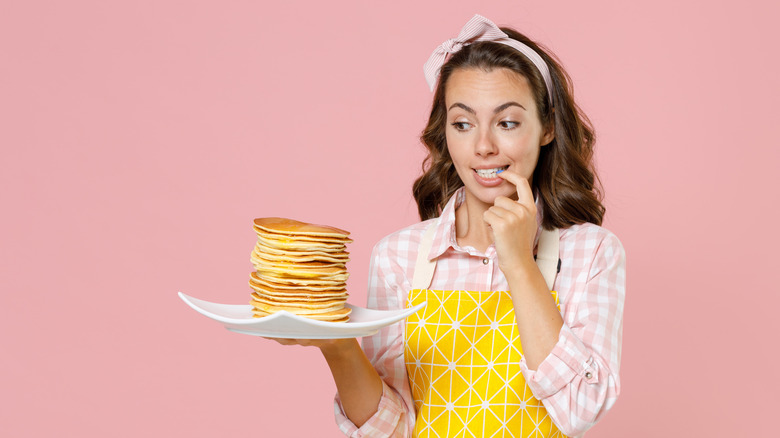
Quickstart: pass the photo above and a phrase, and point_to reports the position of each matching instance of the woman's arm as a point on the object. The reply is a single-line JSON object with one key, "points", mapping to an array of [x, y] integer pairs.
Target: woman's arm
{"points": [[514, 228], [571, 360], [357, 382], [579, 380], [537, 316]]}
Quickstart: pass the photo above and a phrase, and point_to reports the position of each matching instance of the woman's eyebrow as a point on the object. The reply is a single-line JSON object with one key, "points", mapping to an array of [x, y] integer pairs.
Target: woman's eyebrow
{"points": [[495, 111], [461, 105], [507, 105]]}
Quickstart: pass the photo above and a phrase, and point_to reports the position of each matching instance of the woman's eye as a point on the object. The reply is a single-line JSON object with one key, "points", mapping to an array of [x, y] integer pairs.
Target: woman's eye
{"points": [[461, 126], [508, 125]]}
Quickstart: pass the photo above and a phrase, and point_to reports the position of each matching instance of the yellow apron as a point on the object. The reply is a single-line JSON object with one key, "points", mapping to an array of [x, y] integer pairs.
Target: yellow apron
{"points": [[462, 356]]}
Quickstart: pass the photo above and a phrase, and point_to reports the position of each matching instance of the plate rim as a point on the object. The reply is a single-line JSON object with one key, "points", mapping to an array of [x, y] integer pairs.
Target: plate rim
{"points": [[369, 325]]}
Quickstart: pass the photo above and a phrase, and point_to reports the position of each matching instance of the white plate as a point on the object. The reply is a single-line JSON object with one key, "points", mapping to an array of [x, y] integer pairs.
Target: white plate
{"points": [[238, 318]]}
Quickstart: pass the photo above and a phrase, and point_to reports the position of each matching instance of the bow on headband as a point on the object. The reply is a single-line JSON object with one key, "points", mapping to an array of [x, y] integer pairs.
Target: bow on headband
{"points": [[480, 28]]}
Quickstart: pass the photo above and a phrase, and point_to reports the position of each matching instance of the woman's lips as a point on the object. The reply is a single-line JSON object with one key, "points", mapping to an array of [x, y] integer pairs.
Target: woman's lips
{"points": [[489, 177]]}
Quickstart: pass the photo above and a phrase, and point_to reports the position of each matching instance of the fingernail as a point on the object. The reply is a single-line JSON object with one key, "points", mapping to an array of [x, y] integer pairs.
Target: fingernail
{"points": [[499, 171]]}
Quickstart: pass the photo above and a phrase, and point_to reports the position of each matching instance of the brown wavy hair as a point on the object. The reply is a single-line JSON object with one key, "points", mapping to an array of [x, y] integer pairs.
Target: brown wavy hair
{"points": [[564, 179]]}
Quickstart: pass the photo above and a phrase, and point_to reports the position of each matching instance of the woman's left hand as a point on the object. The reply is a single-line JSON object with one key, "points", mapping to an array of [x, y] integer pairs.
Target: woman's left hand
{"points": [[514, 224]]}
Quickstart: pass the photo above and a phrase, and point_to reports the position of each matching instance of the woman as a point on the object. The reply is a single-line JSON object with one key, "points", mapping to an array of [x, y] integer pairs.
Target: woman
{"points": [[507, 345]]}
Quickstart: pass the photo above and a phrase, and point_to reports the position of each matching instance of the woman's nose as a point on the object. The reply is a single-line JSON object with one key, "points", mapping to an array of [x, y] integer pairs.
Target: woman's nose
{"points": [[485, 145]]}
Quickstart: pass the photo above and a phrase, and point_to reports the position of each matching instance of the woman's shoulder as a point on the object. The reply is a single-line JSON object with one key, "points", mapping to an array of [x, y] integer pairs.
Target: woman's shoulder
{"points": [[404, 239], [591, 253], [589, 237], [396, 253]]}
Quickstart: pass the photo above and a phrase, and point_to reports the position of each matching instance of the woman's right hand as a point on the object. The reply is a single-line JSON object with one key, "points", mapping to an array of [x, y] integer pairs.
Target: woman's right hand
{"points": [[327, 346]]}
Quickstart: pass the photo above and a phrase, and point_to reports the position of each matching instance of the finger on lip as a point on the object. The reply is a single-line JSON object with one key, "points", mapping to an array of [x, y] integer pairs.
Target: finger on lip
{"points": [[511, 176], [506, 175], [522, 184]]}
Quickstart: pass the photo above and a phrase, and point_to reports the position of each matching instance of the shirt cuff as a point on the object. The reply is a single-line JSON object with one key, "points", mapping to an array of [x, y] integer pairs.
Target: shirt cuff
{"points": [[385, 422], [569, 359]]}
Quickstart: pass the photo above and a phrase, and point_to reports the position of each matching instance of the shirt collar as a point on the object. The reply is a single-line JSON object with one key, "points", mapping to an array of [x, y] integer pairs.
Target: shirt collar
{"points": [[445, 238]]}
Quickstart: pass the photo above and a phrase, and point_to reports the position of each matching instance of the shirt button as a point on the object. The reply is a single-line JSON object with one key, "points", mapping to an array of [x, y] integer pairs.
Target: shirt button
{"points": [[485, 261], [588, 375]]}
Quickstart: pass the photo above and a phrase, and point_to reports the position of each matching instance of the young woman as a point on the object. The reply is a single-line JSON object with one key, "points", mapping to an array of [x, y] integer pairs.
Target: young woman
{"points": [[521, 334]]}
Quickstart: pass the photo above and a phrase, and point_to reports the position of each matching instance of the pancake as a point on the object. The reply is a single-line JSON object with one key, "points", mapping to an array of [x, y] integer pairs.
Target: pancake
{"points": [[323, 267], [299, 245], [296, 293], [306, 269], [292, 227], [271, 282], [310, 309], [324, 315], [313, 306], [301, 238], [329, 317], [296, 299], [270, 251], [302, 278], [299, 256]]}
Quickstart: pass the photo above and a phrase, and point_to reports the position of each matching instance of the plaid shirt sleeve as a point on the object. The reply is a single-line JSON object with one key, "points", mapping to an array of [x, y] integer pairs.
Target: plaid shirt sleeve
{"points": [[579, 380], [391, 261]]}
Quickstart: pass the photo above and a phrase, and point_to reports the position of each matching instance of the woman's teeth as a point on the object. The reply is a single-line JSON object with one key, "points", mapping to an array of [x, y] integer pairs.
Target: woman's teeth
{"points": [[490, 173]]}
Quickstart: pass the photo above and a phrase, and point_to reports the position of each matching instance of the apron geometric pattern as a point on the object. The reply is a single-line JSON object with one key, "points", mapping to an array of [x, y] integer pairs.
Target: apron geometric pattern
{"points": [[462, 355]]}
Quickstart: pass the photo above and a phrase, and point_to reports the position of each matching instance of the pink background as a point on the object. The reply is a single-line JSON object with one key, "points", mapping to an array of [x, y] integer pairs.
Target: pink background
{"points": [[139, 139]]}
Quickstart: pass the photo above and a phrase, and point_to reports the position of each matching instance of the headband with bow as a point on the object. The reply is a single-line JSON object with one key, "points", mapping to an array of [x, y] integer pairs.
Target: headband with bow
{"points": [[480, 28]]}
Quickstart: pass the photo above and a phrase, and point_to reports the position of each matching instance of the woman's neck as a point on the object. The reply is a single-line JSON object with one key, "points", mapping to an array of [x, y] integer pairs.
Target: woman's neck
{"points": [[470, 228]]}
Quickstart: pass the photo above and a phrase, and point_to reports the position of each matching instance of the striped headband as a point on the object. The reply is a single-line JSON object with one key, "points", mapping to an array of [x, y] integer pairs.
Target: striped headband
{"points": [[480, 28]]}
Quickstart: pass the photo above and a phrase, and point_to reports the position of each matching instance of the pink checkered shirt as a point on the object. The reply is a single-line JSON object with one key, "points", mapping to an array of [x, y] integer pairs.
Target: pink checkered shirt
{"points": [[577, 382]]}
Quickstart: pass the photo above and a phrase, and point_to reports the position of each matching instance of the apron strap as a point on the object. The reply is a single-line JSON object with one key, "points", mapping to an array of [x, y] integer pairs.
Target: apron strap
{"points": [[546, 257], [423, 269]]}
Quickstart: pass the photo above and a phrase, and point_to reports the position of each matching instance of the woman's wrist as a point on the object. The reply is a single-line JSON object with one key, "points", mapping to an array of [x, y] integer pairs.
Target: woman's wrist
{"points": [[520, 267], [359, 386]]}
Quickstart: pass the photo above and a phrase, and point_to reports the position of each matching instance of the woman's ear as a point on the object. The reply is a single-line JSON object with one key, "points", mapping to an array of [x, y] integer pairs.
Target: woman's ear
{"points": [[549, 133]]}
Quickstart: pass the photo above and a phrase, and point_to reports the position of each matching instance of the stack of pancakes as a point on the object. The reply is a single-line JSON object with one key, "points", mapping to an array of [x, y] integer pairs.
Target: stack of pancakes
{"points": [[300, 268]]}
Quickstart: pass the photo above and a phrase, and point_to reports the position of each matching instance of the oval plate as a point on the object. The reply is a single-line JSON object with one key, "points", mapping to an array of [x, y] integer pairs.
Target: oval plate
{"points": [[238, 318]]}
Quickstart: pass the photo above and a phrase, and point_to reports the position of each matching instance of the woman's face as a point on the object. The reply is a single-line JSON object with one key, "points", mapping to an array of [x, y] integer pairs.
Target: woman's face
{"points": [[492, 124]]}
